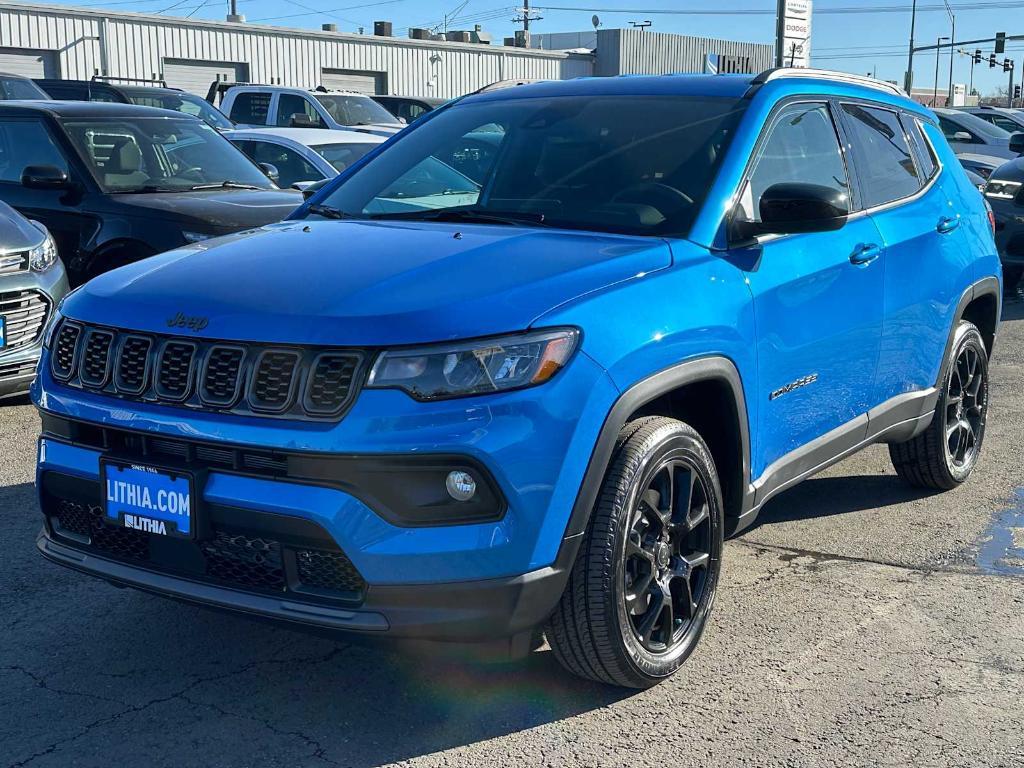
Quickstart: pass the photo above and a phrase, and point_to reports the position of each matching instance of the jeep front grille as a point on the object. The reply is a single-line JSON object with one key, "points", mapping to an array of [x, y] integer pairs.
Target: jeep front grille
{"points": [[24, 314], [208, 375]]}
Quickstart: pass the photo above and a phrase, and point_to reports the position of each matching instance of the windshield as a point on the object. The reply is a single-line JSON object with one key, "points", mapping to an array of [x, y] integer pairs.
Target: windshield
{"points": [[160, 154], [341, 156], [630, 164], [355, 110], [20, 88], [188, 103]]}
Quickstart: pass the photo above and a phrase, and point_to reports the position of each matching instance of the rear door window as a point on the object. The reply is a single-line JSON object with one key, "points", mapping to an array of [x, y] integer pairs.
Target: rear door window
{"points": [[250, 108], [882, 154]]}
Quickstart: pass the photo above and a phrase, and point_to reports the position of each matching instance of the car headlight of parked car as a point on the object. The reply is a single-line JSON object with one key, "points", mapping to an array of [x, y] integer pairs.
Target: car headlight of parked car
{"points": [[480, 366], [44, 255], [1002, 190]]}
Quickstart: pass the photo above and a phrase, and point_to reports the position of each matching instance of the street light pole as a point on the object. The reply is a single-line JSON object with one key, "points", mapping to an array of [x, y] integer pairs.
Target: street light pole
{"points": [[938, 55], [908, 81], [952, 53]]}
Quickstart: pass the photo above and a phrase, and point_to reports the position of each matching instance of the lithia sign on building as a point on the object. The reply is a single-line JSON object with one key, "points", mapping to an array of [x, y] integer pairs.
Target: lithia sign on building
{"points": [[793, 34]]}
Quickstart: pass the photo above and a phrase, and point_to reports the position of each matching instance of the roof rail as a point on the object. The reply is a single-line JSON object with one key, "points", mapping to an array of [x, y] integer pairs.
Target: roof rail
{"points": [[781, 73], [115, 79], [497, 86]]}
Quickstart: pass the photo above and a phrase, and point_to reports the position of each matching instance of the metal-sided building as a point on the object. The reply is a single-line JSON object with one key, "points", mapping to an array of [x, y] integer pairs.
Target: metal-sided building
{"points": [[78, 43]]}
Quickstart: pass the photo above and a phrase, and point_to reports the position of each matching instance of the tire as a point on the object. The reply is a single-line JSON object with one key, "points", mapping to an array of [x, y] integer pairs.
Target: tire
{"points": [[945, 454], [645, 578]]}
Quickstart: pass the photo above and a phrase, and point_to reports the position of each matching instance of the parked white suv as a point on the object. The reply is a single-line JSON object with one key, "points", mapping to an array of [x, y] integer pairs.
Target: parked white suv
{"points": [[265, 105]]}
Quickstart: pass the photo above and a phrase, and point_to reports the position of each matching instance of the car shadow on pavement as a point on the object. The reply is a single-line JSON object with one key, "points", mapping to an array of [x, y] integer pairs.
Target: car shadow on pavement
{"points": [[826, 496], [132, 668]]}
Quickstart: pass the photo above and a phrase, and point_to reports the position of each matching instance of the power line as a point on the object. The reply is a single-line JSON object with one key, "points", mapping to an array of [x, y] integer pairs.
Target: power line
{"points": [[991, 5], [329, 11]]}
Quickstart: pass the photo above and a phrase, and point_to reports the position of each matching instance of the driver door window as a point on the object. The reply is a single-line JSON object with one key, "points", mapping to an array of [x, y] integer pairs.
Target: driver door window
{"points": [[26, 142], [289, 104], [803, 146], [291, 166]]}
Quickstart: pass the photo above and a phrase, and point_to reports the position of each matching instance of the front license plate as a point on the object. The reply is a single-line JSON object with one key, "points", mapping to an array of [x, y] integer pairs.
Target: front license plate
{"points": [[149, 499]]}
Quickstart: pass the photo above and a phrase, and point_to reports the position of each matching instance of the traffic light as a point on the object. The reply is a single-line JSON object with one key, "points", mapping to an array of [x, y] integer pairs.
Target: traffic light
{"points": [[991, 61], [977, 56], [1000, 42], [1007, 65], [1016, 92]]}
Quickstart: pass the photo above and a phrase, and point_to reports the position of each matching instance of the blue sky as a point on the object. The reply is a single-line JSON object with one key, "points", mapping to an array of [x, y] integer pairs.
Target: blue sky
{"points": [[874, 39]]}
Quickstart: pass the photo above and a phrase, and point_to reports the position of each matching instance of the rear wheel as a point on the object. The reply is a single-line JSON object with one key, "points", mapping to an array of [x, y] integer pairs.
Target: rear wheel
{"points": [[944, 455], [645, 578]]}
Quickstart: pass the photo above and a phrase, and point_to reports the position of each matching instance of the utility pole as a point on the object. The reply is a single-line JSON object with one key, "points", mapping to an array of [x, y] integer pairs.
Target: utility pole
{"points": [[938, 55], [952, 42], [909, 79], [526, 16]]}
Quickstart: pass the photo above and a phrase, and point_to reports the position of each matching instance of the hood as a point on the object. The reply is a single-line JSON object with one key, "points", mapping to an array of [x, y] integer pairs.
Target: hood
{"points": [[16, 232], [363, 283], [220, 208]]}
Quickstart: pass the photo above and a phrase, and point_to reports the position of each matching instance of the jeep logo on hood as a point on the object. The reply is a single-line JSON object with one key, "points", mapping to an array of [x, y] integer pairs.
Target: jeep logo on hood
{"points": [[184, 321]]}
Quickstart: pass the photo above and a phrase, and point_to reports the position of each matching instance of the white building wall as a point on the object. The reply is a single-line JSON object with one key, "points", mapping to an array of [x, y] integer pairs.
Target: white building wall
{"points": [[136, 45]]}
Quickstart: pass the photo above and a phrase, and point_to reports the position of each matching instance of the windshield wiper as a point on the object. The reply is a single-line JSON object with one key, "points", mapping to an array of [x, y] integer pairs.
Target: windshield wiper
{"points": [[224, 185], [149, 188], [329, 212], [511, 218]]}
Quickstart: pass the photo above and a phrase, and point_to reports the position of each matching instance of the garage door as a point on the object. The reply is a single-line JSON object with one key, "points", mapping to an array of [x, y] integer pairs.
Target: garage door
{"points": [[196, 76], [370, 83], [22, 61]]}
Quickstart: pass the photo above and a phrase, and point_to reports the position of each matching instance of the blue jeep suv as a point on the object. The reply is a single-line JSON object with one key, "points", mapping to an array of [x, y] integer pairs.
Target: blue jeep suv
{"points": [[430, 408]]}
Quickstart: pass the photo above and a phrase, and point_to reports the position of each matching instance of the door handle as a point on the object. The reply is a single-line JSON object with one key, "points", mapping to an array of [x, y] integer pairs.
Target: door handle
{"points": [[947, 224], [865, 254]]}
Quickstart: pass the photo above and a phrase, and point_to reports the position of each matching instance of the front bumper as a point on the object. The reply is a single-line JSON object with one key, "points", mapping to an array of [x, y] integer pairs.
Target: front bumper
{"points": [[463, 581], [18, 365]]}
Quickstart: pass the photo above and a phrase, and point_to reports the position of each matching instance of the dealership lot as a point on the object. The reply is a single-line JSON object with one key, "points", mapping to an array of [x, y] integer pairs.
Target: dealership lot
{"points": [[860, 623]]}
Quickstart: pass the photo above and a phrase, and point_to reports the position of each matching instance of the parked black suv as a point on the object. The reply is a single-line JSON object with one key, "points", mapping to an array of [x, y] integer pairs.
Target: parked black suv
{"points": [[19, 87], [116, 182], [408, 108], [153, 93]]}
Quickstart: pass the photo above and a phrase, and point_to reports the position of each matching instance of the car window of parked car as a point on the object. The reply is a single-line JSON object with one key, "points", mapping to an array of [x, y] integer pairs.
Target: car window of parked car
{"points": [[616, 163], [158, 154], [290, 104], [251, 108], [355, 110], [341, 156], [925, 154], [291, 166], [1004, 122], [186, 103], [885, 163], [24, 143], [802, 146], [20, 88], [979, 129]]}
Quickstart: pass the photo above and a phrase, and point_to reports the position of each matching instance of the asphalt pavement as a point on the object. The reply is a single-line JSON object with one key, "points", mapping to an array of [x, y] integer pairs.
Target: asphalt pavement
{"points": [[860, 623]]}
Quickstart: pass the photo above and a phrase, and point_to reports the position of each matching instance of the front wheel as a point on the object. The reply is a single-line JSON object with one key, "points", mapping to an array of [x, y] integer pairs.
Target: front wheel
{"points": [[945, 454], [645, 578]]}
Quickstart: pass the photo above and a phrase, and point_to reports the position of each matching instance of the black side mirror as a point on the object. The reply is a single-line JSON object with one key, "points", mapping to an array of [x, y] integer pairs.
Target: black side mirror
{"points": [[791, 208], [302, 120], [1017, 143], [45, 177], [270, 171], [311, 189]]}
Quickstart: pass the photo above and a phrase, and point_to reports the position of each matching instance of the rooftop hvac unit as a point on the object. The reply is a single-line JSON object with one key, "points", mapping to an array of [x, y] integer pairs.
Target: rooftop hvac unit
{"points": [[329, 27], [417, 33], [382, 28], [459, 37]]}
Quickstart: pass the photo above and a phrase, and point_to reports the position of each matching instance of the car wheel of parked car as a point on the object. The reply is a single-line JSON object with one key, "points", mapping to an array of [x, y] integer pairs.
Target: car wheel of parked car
{"points": [[645, 578], [943, 455]]}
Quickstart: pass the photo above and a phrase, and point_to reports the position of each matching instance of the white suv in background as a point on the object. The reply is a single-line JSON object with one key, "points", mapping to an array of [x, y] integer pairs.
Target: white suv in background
{"points": [[265, 105]]}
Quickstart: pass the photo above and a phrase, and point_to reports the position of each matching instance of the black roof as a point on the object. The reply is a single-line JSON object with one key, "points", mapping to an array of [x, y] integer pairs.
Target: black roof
{"points": [[57, 108]]}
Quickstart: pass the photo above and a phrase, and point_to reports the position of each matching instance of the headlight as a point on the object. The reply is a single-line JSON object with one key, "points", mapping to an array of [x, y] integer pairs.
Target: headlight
{"points": [[195, 237], [1003, 190], [475, 367], [44, 255]]}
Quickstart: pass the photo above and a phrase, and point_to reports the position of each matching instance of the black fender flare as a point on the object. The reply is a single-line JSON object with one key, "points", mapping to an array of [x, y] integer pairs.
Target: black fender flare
{"points": [[987, 286], [713, 367]]}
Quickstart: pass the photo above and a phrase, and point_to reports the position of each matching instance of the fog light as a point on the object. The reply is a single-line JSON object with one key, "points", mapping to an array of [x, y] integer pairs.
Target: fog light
{"points": [[461, 485]]}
